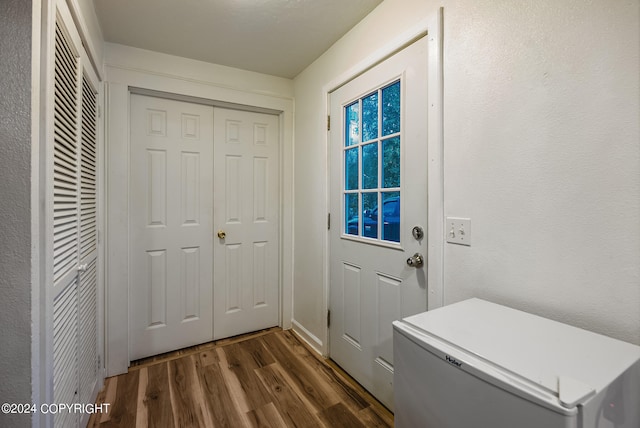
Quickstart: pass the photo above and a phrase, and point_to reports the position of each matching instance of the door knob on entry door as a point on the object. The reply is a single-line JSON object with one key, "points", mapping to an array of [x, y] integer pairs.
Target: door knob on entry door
{"points": [[222, 234], [416, 261]]}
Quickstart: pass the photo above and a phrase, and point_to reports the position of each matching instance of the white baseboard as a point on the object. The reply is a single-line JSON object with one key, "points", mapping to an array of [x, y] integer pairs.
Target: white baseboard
{"points": [[308, 337]]}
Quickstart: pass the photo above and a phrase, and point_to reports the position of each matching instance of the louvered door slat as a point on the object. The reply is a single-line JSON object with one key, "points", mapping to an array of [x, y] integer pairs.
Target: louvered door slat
{"points": [[60, 268], [63, 126], [89, 172], [65, 238], [63, 99], [60, 221], [88, 193], [64, 55], [62, 135], [88, 179], [64, 145], [88, 217], [66, 231], [65, 190], [63, 74], [63, 181]]}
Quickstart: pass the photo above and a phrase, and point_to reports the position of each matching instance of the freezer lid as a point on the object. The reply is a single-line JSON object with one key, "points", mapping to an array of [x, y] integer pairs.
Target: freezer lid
{"points": [[571, 363], [571, 392]]}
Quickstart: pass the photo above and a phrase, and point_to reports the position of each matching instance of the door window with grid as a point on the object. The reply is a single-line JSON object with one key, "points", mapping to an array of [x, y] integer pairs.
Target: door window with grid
{"points": [[371, 165]]}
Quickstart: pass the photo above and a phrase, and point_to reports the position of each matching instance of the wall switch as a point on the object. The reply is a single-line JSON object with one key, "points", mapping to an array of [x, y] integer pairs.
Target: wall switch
{"points": [[458, 230]]}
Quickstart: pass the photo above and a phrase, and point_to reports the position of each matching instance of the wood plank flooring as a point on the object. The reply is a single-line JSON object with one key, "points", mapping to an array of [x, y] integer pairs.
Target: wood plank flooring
{"points": [[265, 379]]}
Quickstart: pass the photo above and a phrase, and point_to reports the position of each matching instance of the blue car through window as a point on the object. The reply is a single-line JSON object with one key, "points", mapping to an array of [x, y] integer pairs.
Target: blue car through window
{"points": [[391, 218]]}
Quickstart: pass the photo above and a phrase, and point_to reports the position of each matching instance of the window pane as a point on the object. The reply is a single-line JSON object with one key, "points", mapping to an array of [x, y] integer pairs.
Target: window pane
{"points": [[391, 162], [352, 124], [351, 169], [370, 117], [391, 216], [370, 166], [391, 109], [351, 213], [370, 215]]}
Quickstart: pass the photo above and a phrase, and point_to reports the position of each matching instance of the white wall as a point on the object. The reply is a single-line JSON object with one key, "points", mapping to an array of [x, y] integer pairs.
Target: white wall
{"points": [[541, 149], [542, 152], [198, 72], [15, 208]]}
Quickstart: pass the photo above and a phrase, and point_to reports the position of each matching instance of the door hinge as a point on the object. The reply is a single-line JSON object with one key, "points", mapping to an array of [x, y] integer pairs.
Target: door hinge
{"points": [[328, 123], [329, 221], [328, 318]]}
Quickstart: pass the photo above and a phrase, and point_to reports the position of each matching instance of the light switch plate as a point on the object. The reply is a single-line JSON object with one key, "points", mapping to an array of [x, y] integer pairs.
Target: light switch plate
{"points": [[458, 230]]}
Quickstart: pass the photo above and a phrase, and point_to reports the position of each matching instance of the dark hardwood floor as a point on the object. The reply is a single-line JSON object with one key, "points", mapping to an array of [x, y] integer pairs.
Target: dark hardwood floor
{"points": [[264, 379]]}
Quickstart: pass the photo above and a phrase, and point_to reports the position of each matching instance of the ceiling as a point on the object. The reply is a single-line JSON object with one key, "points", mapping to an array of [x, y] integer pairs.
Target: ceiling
{"points": [[277, 37]]}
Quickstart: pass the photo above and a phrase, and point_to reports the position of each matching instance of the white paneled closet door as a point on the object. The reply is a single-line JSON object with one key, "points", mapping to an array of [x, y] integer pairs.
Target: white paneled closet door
{"points": [[73, 222]]}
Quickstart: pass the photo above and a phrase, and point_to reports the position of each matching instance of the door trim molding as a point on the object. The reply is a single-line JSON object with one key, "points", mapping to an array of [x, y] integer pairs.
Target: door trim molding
{"points": [[431, 27], [120, 84], [203, 101]]}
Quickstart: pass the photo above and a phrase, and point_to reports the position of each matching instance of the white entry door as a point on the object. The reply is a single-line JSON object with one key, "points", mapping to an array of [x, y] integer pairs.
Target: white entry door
{"points": [[378, 195], [246, 213], [171, 214]]}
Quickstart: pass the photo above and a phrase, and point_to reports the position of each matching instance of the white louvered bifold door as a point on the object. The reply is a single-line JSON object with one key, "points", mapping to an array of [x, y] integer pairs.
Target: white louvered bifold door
{"points": [[73, 185], [88, 307], [65, 224]]}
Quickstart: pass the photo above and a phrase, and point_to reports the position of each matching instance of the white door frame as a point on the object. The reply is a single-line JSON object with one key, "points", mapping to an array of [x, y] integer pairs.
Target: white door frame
{"points": [[432, 27], [121, 82]]}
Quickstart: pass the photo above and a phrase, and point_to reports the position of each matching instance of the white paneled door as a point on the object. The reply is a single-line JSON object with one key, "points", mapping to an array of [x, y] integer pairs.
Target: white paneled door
{"points": [[198, 173], [246, 212], [171, 210], [378, 197]]}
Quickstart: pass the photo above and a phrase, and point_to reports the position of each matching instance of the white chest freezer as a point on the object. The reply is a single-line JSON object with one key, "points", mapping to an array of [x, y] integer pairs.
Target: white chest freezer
{"points": [[479, 364]]}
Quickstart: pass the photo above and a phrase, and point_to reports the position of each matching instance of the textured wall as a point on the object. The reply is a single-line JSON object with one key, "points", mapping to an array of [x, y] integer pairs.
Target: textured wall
{"points": [[15, 190], [542, 152]]}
